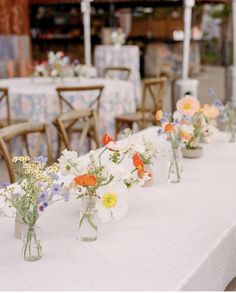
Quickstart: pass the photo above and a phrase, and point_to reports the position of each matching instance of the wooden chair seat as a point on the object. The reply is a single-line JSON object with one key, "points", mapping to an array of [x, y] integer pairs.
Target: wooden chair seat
{"points": [[144, 115], [82, 121]]}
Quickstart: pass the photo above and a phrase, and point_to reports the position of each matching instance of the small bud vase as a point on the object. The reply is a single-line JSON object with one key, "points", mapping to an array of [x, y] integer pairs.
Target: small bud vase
{"points": [[192, 153], [19, 227], [88, 226], [32, 249], [231, 130], [175, 168], [148, 169]]}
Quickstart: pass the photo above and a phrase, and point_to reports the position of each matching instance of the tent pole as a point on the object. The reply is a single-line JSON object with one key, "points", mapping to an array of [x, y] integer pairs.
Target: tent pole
{"points": [[85, 8]]}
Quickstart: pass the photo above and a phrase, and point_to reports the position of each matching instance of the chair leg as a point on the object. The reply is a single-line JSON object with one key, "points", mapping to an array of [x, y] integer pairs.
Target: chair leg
{"points": [[118, 125]]}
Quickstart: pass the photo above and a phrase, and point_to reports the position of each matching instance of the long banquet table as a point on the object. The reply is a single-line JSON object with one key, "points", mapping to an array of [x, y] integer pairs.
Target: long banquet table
{"points": [[175, 236], [36, 99]]}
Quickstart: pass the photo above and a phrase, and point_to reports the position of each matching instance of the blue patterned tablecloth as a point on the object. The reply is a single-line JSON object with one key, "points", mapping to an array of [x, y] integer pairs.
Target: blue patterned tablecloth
{"points": [[126, 56], [36, 100]]}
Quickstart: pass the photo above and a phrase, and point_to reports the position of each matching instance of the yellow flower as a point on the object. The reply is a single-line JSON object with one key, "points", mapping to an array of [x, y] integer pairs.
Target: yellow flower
{"points": [[109, 200]]}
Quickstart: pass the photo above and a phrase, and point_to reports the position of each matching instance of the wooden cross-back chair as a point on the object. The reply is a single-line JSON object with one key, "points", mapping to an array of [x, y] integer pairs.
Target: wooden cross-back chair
{"points": [[63, 100], [124, 72], [86, 121], [145, 114], [18, 130], [85, 117], [4, 97]]}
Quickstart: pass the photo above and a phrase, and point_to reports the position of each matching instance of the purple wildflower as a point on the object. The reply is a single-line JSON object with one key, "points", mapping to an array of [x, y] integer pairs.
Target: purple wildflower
{"points": [[54, 176], [163, 120], [210, 92], [41, 208], [56, 188], [45, 204], [66, 197], [41, 160], [159, 131], [43, 196], [4, 184]]}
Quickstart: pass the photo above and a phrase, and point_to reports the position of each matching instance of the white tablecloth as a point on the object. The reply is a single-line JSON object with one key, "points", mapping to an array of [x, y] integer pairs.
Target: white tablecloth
{"points": [[125, 56], [175, 237], [36, 99]]}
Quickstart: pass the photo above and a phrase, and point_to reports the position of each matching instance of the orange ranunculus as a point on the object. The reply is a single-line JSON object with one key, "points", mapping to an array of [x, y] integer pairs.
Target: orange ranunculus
{"points": [[85, 180], [169, 127], [159, 115], [106, 139], [210, 112], [185, 135], [139, 165]]}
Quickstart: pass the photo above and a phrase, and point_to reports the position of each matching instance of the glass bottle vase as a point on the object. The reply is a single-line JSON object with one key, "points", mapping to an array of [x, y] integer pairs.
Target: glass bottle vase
{"points": [[175, 168], [88, 226], [32, 249], [231, 130]]}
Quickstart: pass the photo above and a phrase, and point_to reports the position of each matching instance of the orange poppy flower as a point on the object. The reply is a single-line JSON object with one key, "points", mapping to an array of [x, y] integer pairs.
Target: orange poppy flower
{"points": [[159, 115], [169, 127], [139, 165], [106, 139], [85, 180]]}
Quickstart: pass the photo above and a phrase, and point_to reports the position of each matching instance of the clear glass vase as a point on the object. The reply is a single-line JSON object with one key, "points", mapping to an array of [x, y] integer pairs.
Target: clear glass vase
{"points": [[88, 226], [32, 249], [148, 169], [231, 130], [175, 167], [19, 227]]}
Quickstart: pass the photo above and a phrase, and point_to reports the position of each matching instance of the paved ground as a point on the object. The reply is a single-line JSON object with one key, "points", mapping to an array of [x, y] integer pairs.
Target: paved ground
{"points": [[210, 77]]}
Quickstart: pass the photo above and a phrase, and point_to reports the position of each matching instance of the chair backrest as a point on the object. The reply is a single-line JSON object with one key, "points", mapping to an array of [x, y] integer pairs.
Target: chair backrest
{"points": [[63, 100], [65, 122], [5, 97], [22, 130], [156, 89], [120, 72]]}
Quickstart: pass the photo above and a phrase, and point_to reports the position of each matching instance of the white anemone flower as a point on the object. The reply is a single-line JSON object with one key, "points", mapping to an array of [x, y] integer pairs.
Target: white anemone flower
{"points": [[117, 171], [113, 202], [68, 163], [136, 144], [210, 133]]}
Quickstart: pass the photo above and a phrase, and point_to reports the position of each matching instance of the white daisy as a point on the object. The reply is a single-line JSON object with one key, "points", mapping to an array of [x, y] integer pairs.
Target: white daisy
{"points": [[113, 202]]}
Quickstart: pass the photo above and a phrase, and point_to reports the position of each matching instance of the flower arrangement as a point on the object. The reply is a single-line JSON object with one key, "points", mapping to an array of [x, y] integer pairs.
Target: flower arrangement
{"points": [[84, 70], [37, 188], [227, 115], [202, 119], [178, 131], [118, 37], [103, 184], [188, 124], [190, 108], [57, 65]]}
